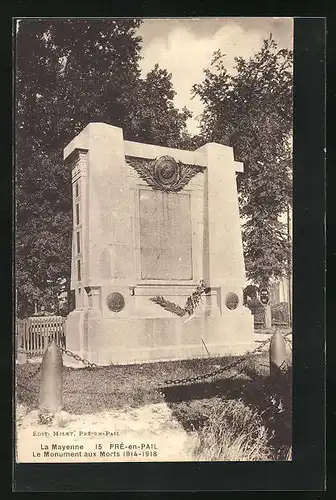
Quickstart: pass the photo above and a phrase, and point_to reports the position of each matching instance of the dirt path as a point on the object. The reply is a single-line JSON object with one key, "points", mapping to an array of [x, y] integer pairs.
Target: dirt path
{"points": [[149, 433]]}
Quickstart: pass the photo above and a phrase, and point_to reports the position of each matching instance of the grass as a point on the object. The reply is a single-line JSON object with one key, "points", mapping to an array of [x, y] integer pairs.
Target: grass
{"points": [[90, 390], [242, 415], [233, 432], [248, 423], [248, 419]]}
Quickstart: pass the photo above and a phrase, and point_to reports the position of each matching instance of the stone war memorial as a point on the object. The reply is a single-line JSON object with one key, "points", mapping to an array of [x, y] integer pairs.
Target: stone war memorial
{"points": [[150, 224]]}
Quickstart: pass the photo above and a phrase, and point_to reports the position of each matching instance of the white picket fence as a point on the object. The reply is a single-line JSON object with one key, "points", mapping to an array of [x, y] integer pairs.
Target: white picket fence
{"points": [[34, 334]]}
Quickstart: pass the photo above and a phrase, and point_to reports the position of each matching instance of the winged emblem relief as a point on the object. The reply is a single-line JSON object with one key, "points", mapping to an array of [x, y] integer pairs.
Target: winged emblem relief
{"points": [[164, 173]]}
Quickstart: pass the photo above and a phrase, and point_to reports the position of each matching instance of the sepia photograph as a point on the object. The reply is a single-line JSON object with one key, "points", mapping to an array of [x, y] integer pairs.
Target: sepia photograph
{"points": [[153, 239]]}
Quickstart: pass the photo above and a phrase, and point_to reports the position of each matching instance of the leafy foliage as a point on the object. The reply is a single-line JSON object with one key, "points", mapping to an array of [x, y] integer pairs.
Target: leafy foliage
{"points": [[251, 111], [153, 118], [280, 312], [191, 304], [70, 73]]}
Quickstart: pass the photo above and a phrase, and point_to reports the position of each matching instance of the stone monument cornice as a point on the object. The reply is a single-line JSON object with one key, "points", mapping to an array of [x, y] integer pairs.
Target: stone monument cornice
{"points": [[75, 154]]}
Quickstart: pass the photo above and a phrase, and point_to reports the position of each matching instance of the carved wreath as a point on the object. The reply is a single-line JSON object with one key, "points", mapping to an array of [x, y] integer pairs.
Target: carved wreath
{"points": [[164, 173]]}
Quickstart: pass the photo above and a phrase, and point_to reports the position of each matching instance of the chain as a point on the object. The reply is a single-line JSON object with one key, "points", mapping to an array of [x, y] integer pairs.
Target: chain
{"points": [[66, 351], [235, 363], [86, 362], [181, 381]]}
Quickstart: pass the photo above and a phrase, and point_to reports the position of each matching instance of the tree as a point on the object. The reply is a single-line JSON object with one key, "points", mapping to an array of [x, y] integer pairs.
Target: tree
{"points": [[70, 73], [251, 111], [153, 117]]}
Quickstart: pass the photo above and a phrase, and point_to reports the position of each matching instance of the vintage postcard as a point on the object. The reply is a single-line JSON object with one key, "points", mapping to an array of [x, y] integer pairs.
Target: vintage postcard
{"points": [[153, 259]]}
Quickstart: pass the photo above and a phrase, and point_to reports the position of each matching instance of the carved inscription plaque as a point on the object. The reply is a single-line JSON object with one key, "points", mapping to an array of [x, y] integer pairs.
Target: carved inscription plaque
{"points": [[165, 236]]}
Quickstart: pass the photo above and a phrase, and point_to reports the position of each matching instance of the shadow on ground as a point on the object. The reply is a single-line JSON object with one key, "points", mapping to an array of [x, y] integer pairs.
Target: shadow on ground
{"points": [[270, 396], [202, 390]]}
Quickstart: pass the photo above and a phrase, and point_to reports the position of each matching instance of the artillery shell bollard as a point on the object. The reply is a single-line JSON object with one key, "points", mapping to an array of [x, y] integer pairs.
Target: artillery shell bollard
{"points": [[277, 353], [51, 384]]}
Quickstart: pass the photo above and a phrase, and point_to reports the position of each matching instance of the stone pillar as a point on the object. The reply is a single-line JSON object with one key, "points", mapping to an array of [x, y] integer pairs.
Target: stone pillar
{"points": [[268, 317], [224, 263], [108, 241]]}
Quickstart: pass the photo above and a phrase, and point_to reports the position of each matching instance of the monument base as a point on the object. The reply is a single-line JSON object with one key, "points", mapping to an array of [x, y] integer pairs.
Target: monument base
{"points": [[108, 341]]}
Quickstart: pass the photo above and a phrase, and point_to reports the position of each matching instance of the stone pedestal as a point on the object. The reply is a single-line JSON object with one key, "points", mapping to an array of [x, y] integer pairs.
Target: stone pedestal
{"points": [[153, 221]]}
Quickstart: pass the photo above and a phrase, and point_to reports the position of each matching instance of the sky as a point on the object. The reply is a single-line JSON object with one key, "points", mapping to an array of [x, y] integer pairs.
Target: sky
{"points": [[185, 46]]}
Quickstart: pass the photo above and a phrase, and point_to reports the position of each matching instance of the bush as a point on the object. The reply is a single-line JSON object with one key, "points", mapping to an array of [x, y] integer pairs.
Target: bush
{"points": [[255, 306], [257, 309], [280, 312]]}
